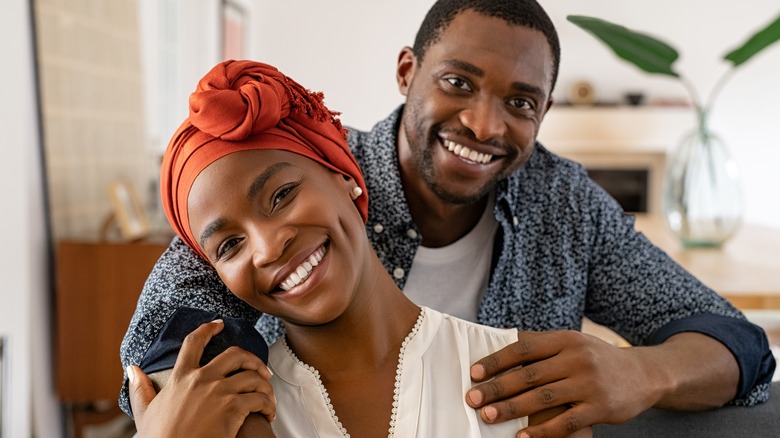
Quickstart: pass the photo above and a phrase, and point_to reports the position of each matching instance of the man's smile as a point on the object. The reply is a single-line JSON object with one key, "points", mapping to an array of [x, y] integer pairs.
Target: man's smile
{"points": [[466, 153]]}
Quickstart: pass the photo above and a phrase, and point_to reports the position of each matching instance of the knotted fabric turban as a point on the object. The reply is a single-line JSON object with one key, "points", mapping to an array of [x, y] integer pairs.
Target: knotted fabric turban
{"points": [[246, 105]]}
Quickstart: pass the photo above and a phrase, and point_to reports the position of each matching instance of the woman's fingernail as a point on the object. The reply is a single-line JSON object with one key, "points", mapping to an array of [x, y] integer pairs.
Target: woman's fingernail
{"points": [[130, 374]]}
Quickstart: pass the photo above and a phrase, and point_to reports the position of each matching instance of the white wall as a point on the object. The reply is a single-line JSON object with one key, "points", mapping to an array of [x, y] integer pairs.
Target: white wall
{"points": [[23, 265], [348, 48]]}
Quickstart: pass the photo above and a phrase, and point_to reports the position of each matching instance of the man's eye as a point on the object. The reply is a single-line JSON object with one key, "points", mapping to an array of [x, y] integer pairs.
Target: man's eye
{"points": [[521, 103], [226, 246], [458, 83]]}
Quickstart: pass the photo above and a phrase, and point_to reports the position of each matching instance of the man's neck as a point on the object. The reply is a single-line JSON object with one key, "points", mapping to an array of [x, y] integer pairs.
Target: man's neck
{"points": [[441, 223]]}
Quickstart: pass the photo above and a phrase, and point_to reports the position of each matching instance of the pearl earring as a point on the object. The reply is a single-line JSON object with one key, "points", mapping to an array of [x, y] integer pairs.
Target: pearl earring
{"points": [[356, 192]]}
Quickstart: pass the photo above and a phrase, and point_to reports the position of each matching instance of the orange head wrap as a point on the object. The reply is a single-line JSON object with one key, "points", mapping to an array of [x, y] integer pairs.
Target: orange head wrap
{"points": [[246, 105]]}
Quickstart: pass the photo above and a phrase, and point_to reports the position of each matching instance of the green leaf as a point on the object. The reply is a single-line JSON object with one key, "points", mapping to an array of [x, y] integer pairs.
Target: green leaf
{"points": [[646, 52], [758, 42]]}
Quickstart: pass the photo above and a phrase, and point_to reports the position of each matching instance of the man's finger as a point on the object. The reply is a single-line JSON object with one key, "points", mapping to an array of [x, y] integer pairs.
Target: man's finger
{"points": [[514, 382], [564, 424], [140, 390], [529, 347]]}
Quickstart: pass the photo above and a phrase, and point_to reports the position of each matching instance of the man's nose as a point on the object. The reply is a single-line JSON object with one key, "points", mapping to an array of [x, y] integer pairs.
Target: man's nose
{"points": [[485, 119]]}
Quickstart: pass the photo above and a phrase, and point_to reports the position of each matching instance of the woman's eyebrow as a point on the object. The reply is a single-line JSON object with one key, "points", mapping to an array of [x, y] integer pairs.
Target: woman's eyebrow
{"points": [[259, 182], [212, 228]]}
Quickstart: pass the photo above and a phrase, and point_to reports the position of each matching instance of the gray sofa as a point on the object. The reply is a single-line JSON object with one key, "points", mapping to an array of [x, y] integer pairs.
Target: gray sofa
{"points": [[730, 421]]}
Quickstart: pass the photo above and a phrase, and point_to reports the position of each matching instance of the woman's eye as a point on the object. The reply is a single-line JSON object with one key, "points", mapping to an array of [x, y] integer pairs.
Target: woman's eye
{"points": [[458, 83], [226, 246], [282, 193]]}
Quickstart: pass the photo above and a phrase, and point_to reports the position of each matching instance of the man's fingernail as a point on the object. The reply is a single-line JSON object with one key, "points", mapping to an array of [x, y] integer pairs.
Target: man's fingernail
{"points": [[130, 374], [490, 412], [524, 435], [475, 397], [218, 321], [477, 371]]}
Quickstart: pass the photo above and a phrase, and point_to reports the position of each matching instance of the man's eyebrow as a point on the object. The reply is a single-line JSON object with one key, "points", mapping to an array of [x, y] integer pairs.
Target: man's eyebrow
{"points": [[476, 71], [465, 66], [525, 87], [212, 228], [259, 182]]}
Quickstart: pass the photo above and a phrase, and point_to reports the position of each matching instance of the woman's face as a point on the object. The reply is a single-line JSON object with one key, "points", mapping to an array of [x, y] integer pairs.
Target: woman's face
{"points": [[282, 232]]}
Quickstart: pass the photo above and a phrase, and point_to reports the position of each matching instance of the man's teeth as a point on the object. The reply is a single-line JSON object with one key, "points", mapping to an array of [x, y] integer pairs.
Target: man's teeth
{"points": [[302, 272], [464, 152]]}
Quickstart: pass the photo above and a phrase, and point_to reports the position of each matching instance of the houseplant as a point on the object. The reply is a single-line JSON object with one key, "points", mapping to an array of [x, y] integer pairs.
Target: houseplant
{"points": [[702, 195]]}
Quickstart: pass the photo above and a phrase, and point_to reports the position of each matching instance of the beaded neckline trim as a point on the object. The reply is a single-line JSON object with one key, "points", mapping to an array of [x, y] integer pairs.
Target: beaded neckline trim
{"points": [[396, 390]]}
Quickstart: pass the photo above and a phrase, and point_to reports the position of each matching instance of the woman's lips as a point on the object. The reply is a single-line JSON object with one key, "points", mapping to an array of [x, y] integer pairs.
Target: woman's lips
{"points": [[303, 271]]}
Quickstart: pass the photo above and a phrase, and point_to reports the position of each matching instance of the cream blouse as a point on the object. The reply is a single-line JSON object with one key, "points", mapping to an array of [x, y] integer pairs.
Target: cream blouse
{"points": [[431, 384]]}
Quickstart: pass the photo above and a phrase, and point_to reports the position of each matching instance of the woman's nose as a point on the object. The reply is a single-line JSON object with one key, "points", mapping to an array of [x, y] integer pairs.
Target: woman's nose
{"points": [[268, 244], [485, 119]]}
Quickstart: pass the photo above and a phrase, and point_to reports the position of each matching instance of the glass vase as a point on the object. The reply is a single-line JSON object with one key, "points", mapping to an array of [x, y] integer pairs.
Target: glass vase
{"points": [[702, 197]]}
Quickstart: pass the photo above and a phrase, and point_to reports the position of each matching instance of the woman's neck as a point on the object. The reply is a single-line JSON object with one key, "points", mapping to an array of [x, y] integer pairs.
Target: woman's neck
{"points": [[367, 336], [357, 356]]}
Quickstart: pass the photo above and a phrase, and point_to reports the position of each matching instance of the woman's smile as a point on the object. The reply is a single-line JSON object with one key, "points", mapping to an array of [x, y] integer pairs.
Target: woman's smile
{"points": [[302, 272]]}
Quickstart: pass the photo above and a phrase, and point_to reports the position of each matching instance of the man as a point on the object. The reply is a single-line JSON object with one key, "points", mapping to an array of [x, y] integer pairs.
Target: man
{"points": [[473, 217]]}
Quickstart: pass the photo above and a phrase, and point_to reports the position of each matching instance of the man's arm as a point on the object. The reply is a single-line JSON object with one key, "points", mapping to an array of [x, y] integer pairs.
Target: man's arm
{"points": [[217, 399], [638, 291], [602, 383], [179, 279]]}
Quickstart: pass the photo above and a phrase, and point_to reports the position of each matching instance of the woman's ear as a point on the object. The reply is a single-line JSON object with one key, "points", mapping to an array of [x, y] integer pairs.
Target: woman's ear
{"points": [[353, 189], [404, 72]]}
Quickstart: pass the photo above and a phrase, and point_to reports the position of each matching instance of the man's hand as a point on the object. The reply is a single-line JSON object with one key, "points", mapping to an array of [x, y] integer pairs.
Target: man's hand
{"points": [[202, 401], [598, 382]]}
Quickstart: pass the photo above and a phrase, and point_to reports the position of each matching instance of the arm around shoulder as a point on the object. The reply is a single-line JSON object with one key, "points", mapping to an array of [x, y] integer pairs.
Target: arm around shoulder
{"points": [[180, 278]]}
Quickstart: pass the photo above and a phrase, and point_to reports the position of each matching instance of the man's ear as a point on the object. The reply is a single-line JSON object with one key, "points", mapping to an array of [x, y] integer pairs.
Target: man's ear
{"points": [[405, 69], [547, 107]]}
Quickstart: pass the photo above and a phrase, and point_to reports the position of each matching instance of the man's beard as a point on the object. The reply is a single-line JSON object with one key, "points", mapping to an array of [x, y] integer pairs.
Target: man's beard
{"points": [[423, 158]]}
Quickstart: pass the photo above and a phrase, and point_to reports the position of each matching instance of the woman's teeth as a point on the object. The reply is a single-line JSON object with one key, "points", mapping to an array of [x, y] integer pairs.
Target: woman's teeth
{"points": [[464, 152], [302, 272]]}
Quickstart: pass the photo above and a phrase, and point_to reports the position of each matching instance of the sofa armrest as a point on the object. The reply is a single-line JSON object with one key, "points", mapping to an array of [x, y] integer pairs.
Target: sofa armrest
{"points": [[757, 421]]}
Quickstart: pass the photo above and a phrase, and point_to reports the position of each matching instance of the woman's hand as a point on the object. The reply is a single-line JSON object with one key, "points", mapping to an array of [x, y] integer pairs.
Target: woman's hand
{"points": [[202, 401]]}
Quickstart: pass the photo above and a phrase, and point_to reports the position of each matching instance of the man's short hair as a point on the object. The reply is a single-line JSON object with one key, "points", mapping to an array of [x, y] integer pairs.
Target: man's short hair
{"points": [[526, 13]]}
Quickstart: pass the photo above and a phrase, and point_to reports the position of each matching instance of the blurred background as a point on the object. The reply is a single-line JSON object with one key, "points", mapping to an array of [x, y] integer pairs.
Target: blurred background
{"points": [[93, 90]]}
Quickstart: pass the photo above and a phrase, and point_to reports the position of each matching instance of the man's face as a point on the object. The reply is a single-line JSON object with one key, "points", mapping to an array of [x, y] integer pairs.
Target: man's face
{"points": [[473, 106]]}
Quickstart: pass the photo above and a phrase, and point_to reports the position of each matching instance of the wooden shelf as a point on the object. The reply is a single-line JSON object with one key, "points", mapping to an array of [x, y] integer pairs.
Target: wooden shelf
{"points": [[97, 288]]}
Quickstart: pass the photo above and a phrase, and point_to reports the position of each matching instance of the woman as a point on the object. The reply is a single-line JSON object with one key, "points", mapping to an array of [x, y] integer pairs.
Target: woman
{"points": [[260, 182]]}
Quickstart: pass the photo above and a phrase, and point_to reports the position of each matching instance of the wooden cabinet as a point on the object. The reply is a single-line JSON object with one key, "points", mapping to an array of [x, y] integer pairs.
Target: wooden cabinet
{"points": [[97, 288]]}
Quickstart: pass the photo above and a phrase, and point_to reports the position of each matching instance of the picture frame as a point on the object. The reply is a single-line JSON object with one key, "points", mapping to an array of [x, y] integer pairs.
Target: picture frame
{"points": [[234, 25], [128, 211]]}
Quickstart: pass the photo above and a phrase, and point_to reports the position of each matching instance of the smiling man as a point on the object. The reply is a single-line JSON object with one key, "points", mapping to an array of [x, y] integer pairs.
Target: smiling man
{"points": [[475, 218]]}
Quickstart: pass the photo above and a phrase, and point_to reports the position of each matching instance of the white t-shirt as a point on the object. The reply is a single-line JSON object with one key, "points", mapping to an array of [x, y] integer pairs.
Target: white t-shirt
{"points": [[453, 279], [431, 390]]}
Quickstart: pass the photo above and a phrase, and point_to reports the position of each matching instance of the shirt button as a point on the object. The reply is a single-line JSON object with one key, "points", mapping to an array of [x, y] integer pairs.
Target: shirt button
{"points": [[411, 233], [398, 273], [515, 220], [378, 228]]}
